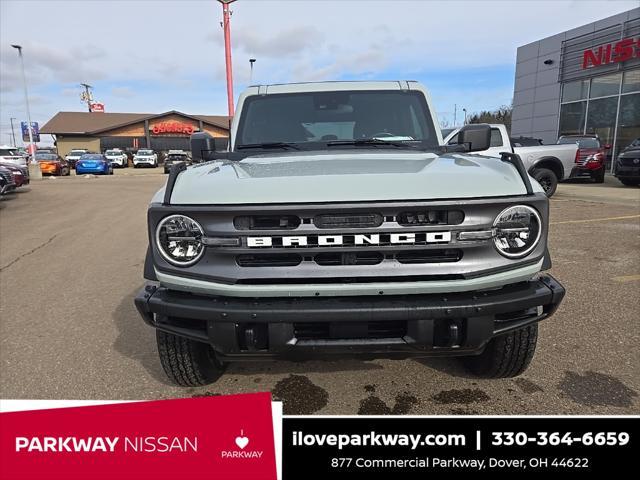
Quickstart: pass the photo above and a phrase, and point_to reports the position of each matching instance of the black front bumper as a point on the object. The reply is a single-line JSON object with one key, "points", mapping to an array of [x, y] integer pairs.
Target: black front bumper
{"points": [[628, 173], [406, 325]]}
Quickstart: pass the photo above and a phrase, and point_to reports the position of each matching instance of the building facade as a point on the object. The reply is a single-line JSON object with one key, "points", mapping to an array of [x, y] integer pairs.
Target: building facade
{"points": [[582, 81], [98, 132]]}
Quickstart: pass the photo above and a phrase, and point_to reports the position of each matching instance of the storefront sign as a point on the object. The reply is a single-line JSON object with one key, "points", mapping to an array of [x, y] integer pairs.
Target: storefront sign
{"points": [[173, 127], [97, 107], [620, 51]]}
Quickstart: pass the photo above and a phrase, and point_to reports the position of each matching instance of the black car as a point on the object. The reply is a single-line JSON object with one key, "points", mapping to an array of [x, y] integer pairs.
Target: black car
{"points": [[628, 164], [173, 158], [7, 182]]}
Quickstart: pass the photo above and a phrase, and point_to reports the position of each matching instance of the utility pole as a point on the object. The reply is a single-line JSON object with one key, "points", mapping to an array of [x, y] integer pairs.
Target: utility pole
{"points": [[465, 115], [13, 133], [455, 112], [86, 95], [226, 25], [251, 62], [34, 167]]}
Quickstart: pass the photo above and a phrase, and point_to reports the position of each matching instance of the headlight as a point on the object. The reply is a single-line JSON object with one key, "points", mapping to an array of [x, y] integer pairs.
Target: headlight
{"points": [[517, 231], [178, 238]]}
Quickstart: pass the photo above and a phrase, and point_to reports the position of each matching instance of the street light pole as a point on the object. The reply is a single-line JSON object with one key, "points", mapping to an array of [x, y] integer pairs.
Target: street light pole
{"points": [[465, 115], [13, 133], [34, 168], [251, 62], [226, 25]]}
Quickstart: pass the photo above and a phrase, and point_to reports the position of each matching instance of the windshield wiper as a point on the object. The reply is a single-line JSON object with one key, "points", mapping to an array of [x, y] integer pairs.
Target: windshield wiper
{"points": [[370, 141], [268, 145]]}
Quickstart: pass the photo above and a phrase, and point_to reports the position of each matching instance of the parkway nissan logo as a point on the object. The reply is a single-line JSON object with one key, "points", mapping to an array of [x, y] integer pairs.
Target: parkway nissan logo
{"points": [[350, 240], [242, 442]]}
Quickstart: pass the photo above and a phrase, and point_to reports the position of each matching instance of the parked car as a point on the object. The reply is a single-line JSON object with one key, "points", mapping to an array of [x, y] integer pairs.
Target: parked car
{"points": [[590, 161], [174, 157], [20, 173], [548, 164], [117, 157], [52, 164], [145, 158], [7, 182], [10, 154], [628, 164], [74, 155], [309, 239], [94, 163]]}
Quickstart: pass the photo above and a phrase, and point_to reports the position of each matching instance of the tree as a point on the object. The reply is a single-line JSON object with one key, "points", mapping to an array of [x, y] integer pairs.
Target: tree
{"points": [[500, 115]]}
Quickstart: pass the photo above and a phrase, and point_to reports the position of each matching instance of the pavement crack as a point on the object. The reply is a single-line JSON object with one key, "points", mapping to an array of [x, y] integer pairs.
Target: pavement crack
{"points": [[33, 250]]}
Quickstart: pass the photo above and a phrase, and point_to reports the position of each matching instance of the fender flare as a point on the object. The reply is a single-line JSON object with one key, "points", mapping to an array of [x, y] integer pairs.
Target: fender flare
{"points": [[549, 160]]}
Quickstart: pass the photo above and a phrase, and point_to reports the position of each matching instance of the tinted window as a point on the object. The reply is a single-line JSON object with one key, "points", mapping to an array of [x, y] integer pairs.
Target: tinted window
{"points": [[572, 118], [325, 116], [575, 90], [496, 138], [631, 81], [606, 85]]}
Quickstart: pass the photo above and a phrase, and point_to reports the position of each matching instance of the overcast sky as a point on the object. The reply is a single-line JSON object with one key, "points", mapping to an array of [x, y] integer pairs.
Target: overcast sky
{"points": [[157, 55]]}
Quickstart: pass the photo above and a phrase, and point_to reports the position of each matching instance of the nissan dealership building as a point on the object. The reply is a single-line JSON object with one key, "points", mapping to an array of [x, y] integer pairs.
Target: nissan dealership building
{"points": [[582, 81]]}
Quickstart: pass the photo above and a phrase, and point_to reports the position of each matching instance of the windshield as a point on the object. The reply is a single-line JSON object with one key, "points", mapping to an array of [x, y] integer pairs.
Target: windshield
{"points": [[176, 157], [583, 142], [145, 152], [313, 119], [91, 156], [8, 152], [113, 152], [76, 153]]}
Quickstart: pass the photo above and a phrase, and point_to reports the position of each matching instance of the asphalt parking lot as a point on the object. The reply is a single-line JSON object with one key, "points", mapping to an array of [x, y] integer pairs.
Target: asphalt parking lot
{"points": [[71, 256]]}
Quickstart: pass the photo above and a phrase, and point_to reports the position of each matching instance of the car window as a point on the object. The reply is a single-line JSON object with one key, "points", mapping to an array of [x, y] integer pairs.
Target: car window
{"points": [[496, 138]]}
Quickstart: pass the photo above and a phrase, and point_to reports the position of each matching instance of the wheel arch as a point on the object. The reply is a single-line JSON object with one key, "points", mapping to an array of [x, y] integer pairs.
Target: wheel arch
{"points": [[551, 163]]}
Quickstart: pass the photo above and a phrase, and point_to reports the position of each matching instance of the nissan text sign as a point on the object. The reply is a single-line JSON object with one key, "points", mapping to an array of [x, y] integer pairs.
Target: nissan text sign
{"points": [[620, 51]]}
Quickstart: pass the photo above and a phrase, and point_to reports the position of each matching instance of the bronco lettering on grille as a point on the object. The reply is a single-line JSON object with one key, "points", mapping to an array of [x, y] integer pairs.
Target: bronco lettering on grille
{"points": [[350, 240]]}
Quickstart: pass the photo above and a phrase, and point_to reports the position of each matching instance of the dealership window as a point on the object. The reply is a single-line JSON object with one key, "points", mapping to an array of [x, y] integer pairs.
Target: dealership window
{"points": [[605, 86], [572, 118], [631, 81], [607, 106], [573, 91]]}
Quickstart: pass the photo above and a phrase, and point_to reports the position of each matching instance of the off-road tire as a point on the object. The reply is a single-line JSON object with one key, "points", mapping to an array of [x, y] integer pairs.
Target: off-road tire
{"points": [[547, 179], [505, 356], [629, 183], [598, 177], [187, 362]]}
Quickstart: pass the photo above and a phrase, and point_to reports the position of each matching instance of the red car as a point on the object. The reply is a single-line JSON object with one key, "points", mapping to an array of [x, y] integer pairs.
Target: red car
{"points": [[52, 164], [20, 173], [590, 157]]}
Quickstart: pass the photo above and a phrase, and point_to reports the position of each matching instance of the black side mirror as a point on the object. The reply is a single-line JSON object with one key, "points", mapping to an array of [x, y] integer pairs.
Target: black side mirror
{"points": [[204, 146], [476, 136]]}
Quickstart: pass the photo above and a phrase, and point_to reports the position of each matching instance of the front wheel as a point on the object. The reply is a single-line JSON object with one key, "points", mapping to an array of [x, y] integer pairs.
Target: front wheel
{"points": [[547, 180], [64, 171], [187, 362], [505, 356]]}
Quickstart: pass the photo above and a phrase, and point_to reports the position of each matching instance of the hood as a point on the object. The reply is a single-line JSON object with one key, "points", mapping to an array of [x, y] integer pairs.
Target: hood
{"points": [[346, 176]]}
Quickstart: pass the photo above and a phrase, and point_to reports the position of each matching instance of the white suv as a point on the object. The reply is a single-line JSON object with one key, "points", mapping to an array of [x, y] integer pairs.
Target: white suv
{"points": [[117, 157], [145, 157]]}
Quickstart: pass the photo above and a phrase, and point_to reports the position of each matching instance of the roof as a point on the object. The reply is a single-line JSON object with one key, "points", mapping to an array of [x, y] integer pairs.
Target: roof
{"points": [[94, 122]]}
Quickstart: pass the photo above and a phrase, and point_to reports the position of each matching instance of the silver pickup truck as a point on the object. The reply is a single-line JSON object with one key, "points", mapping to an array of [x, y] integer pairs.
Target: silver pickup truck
{"points": [[338, 223], [548, 164]]}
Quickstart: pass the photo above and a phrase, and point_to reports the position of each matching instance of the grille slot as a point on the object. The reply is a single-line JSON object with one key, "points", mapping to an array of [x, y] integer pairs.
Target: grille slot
{"points": [[340, 330], [269, 260], [267, 222], [430, 217], [359, 258], [429, 256], [367, 220]]}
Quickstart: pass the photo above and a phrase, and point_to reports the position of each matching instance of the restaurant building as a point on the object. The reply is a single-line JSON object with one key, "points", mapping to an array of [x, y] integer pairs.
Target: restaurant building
{"points": [[98, 132], [582, 81]]}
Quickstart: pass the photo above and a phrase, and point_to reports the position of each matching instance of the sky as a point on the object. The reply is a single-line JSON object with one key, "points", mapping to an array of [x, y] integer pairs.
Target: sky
{"points": [[151, 56]]}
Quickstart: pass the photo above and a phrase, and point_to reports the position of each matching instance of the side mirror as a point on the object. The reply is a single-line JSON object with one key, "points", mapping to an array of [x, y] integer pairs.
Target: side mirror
{"points": [[204, 146], [476, 136]]}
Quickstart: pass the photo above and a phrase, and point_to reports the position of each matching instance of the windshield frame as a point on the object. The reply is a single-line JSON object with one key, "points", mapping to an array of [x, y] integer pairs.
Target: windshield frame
{"points": [[426, 124]]}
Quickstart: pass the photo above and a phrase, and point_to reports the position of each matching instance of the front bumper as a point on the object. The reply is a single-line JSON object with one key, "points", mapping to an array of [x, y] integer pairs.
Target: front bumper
{"points": [[630, 173], [403, 325], [586, 170]]}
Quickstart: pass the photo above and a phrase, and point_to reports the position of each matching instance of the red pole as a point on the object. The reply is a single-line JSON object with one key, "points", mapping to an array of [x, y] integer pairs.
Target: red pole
{"points": [[227, 54]]}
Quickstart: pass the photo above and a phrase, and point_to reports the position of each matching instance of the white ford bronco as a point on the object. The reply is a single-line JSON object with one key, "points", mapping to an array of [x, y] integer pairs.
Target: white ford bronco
{"points": [[337, 222]]}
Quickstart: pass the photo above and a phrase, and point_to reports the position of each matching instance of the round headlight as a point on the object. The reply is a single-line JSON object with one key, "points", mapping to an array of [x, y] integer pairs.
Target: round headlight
{"points": [[517, 231], [178, 238]]}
